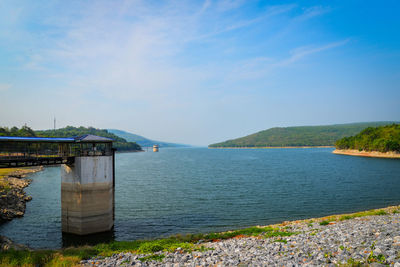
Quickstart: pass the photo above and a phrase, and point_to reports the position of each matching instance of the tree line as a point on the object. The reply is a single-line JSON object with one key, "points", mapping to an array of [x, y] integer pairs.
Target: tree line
{"points": [[119, 143], [382, 139], [325, 135]]}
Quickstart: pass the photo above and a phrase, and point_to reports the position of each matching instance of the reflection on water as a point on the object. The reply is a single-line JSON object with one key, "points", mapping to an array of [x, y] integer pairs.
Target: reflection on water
{"points": [[70, 240], [191, 190]]}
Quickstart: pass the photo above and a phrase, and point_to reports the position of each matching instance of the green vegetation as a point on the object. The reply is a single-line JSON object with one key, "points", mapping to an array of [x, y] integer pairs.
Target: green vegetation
{"points": [[299, 136], [363, 214], [153, 257], [380, 258], [382, 139], [72, 256], [5, 185], [14, 131], [6, 171], [352, 263], [119, 143], [336, 218]]}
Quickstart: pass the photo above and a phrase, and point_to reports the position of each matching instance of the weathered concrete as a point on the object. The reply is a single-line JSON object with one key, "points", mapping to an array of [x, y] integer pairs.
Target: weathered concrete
{"points": [[87, 195]]}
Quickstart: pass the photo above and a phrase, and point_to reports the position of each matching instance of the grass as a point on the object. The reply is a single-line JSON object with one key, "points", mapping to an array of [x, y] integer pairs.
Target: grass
{"points": [[5, 171], [335, 218], [72, 256], [352, 263], [363, 214], [380, 258], [8, 171], [4, 185]]}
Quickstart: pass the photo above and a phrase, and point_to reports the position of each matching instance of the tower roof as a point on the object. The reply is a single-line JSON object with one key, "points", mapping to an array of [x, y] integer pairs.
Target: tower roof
{"points": [[92, 138]]}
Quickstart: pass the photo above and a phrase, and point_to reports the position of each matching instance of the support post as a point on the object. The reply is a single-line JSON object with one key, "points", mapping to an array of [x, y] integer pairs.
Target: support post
{"points": [[113, 175], [87, 195]]}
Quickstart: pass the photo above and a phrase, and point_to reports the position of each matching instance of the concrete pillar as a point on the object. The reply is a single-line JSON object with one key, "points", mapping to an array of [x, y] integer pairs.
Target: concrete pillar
{"points": [[87, 195]]}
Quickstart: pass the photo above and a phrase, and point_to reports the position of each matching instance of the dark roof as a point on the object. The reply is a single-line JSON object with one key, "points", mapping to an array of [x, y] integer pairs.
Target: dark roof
{"points": [[35, 139], [84, 138], [92, 138]]}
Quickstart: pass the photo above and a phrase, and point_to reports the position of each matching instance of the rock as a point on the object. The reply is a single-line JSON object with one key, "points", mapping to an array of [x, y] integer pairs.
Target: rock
{"points": [[331, 245], [13, 200], [6, 244]]}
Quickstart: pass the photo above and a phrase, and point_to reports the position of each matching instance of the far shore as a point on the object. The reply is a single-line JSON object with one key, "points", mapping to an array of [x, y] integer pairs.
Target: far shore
{"points": [[372, 154], [268, 147]]}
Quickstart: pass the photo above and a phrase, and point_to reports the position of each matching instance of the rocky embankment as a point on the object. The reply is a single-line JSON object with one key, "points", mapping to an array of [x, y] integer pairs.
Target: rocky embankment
{"points": [[12, 196], [351, 241]]}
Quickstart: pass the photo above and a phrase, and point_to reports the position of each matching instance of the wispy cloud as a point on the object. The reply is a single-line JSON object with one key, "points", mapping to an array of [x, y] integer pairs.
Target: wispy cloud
{"points": [[226, 5], [312, 12], [137, 55], [155, 62], [301, 52], [260, 67], [4, 87]]}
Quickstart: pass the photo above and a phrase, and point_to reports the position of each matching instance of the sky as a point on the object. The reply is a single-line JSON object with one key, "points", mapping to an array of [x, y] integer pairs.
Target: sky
{"points": [[198, 72]]}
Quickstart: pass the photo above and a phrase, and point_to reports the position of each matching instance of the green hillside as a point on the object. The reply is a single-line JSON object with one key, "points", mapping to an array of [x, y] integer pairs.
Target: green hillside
{"points": [[382, 139], [143, 141], [299, 136], [119, 143]]}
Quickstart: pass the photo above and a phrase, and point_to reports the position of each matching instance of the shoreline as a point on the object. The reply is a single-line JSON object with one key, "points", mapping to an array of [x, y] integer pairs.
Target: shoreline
{"points": [[13, 198], [269, 147], [371, 154], [352, 239]]}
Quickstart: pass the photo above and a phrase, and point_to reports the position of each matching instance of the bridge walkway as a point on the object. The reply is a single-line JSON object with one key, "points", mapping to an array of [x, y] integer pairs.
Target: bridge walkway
{"points": [[34, 151]]}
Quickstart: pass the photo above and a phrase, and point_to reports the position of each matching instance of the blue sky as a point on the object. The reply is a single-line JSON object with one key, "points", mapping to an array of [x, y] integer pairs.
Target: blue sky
{"points": [[198, 72]]}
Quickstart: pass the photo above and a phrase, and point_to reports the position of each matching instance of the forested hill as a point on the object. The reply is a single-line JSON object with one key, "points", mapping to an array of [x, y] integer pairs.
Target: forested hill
{"points": [[299, 136], [143, 141], [119, 143], [382, 139]]}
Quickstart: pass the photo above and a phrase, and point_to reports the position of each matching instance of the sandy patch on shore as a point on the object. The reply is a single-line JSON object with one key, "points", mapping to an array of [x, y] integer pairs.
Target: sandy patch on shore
{"points": [[373, 154]]}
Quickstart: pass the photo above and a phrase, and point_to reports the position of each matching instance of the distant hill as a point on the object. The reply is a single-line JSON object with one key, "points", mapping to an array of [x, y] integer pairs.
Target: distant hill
{"points": [[144, 142], [119, 143], [325, 135], [381, 139]]}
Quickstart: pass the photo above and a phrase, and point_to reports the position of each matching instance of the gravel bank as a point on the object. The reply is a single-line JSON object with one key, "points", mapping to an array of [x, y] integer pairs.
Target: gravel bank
{"points": [[373, 240]]}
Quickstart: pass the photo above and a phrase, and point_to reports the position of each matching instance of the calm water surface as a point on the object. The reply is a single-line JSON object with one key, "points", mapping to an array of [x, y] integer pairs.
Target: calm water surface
{"points": [[190, 190]]}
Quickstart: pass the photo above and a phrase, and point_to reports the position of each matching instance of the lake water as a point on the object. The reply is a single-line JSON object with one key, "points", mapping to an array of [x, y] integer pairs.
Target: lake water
{"points": [[189, 190]]}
